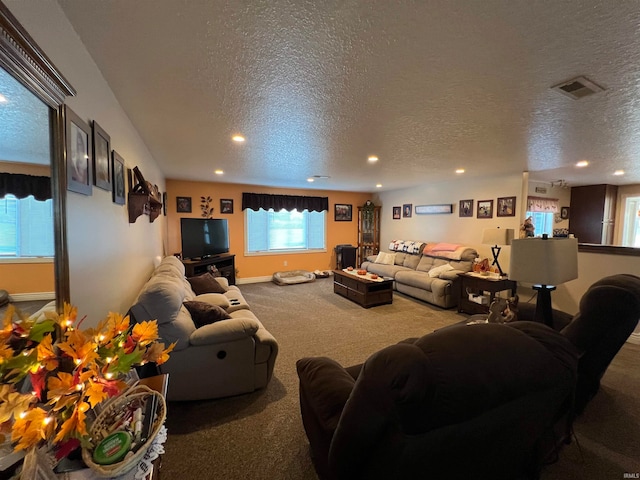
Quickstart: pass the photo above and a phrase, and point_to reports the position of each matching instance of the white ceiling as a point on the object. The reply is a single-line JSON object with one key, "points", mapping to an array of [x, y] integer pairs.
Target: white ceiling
{"points": [[317, 86]]}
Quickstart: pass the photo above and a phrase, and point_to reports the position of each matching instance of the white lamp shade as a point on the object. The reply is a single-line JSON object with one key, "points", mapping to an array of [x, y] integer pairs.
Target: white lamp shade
{"points": [[497, 236], [544, 261]]}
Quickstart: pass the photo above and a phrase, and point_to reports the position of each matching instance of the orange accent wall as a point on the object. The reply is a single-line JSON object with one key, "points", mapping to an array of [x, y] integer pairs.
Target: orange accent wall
{"points": [[264, 265], [27, 277]]}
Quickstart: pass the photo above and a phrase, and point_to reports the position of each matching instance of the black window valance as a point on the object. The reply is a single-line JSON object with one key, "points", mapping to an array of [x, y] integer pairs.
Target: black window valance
{"points": [[256, 201], [22, 186]]}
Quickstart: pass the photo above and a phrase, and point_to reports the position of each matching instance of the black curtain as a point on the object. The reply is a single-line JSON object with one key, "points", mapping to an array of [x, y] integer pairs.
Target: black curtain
{"points": [[256, 201], [22, 186]]}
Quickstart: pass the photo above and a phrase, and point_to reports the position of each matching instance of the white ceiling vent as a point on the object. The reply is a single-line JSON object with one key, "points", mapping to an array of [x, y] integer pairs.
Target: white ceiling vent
{"points": [[577, 88]]}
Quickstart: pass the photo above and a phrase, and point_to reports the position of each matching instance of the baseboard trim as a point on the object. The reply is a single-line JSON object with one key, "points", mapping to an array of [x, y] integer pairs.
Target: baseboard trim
{"points": [[634, 338], [31, 297], [240, 281]]}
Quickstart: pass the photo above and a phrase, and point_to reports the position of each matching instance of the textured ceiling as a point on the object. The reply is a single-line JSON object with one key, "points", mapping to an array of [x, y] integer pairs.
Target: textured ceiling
{"points": [[318, 86]]}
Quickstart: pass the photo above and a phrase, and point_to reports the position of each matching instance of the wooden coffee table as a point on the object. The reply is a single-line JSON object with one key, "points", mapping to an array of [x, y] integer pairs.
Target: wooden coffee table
{"points": [[366, 293]]}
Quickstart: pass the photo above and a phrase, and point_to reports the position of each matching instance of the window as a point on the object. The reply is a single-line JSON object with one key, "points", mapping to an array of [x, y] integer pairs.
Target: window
{"points": [[26, 227], [631, 222], [543, 221], [283, 231]]}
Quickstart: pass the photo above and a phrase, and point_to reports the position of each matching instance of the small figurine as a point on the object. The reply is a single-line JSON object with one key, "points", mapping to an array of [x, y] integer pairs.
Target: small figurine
{"points": [[527, 229]]}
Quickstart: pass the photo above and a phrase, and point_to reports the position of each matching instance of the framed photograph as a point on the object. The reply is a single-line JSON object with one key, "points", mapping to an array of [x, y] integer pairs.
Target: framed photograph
{"points": [[101, 160], [164, 203], [564, 213], [406, 210], [226, 205], [506, 207], [118, 170], [434, 209], [485, 209], [466, 208], [79, 153], [397, 213], [183, 204], [343, 212]]}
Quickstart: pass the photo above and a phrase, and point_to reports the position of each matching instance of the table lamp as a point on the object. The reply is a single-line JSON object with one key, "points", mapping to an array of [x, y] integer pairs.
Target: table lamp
{"points": [[496, 237], [544, 262]]}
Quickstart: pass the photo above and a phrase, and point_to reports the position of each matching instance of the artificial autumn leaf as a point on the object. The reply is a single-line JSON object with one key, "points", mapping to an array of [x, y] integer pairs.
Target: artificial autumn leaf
{"points": [[130, 345], [75, 424], [156, 353], [125, 362], [12, 403], [6, 352], [60, 385], [38, 379], [46, 354], [66, 447], [40, 329], [145, 332], [28, 428], [95, 393], [79, 347]]}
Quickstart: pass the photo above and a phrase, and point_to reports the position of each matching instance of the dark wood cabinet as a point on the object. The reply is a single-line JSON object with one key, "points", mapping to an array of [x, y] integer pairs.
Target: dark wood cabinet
{"points": [[593, 211], [225, 263], [368, 232]]}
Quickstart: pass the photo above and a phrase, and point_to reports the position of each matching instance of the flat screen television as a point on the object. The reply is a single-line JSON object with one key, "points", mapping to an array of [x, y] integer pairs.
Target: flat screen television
{"points": [[204, 237]]}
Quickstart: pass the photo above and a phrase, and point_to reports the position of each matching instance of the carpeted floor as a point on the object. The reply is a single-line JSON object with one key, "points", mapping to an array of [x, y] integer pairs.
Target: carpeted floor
{"points": [[260, 435]]}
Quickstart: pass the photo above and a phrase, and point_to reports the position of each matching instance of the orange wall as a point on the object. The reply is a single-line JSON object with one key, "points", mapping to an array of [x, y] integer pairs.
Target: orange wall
{"points": [[264, 265], [27, 277]]}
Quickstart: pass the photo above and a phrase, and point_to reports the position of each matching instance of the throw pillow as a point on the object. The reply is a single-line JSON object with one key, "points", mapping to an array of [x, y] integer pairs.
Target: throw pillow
{"points": [[436, 271], [386, 258], [203, 313], [205, 283]]}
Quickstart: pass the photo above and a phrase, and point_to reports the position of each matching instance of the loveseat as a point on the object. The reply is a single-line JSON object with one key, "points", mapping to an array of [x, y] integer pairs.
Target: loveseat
{"points": [[451, 404], [428, 271], [229, 354]]}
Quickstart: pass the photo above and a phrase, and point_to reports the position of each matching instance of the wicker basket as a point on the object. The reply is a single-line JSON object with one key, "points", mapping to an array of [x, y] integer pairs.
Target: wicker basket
{"points": [[100, 429]]}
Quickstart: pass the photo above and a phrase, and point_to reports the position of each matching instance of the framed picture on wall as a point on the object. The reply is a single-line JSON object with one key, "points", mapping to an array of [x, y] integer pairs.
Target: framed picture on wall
{"points": [[101, 163], [506, 207], [226, 205], [406, 210], [564, 213], [79, 153], [397, 213], [343, 212], [117, 168], [485, 209], [183, 204], [466, 208]]}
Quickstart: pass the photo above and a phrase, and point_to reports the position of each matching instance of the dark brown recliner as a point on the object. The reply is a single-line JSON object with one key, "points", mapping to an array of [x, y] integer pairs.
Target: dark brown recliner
{"points": [[478, 401]]}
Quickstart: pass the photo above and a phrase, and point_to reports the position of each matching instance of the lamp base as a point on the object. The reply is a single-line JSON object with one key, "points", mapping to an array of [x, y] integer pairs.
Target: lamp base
{"points": [[495, 251], [544, 313]]}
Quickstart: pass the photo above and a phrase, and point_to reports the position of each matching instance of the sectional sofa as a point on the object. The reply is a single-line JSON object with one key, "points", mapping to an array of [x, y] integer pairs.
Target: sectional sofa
{"points": [[427, 271]]}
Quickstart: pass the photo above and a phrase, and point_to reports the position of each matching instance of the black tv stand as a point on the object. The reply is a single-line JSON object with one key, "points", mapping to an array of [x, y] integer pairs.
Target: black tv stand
{"points": [[225, 263]]}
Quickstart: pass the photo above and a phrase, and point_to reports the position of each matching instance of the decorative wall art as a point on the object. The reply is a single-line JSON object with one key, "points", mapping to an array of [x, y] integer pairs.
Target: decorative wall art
{"points": [[117, 169], [205, 207], [564, 213], [397, 213], [79, 153], [183, 204], [485, 209], [406, 210], [101, 163], [226, 205], [466, 208], [506, 207], [343, 212], [434, 209]]}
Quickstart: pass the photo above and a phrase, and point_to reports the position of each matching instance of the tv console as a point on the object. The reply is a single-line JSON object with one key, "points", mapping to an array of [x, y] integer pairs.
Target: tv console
{"points": [[225, 263]]}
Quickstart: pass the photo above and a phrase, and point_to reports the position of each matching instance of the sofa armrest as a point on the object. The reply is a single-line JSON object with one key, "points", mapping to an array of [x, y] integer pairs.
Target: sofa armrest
{"points": [[325, 387], [451, 275], [224, 331], [223, 281]]}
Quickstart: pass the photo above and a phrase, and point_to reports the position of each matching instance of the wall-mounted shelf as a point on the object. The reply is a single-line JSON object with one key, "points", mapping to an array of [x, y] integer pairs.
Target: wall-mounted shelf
{"points": [[144, 198], [143, 204]]}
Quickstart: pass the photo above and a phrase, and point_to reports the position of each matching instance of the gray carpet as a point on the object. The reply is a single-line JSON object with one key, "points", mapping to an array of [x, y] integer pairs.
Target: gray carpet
{"points": [[260, 435]]}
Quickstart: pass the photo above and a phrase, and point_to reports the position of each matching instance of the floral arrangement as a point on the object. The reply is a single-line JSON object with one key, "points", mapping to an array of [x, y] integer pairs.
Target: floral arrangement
{"points": [[70, 371]]}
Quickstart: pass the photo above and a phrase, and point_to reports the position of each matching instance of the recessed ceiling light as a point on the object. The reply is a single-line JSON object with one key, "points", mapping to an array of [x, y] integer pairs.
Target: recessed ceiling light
{"points": [[3, 99], [619, 172], [310, 180], [238, 138], [372, 158], [582, 163], [219, 172], [460, 170], [379, 185]]}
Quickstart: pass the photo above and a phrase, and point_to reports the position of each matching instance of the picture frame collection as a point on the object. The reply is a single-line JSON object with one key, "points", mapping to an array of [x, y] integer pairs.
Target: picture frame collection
{"points": [[505, 207]]}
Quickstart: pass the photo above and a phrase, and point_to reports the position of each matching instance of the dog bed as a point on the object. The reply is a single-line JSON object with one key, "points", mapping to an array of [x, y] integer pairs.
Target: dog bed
{"points": [[293, 277], [4, 298]]}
